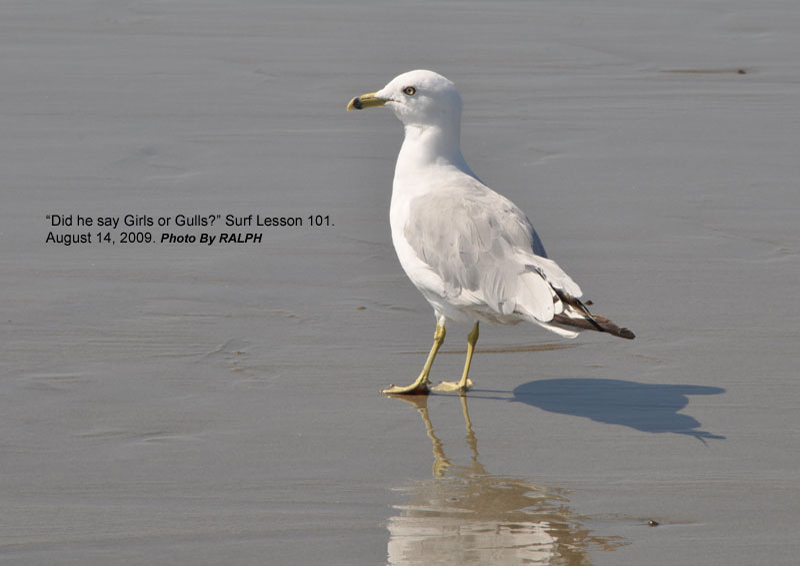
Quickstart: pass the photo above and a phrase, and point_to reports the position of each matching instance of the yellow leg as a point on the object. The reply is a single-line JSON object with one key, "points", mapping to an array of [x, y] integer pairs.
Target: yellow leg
{"points": [[420, 386], [466, 382]]}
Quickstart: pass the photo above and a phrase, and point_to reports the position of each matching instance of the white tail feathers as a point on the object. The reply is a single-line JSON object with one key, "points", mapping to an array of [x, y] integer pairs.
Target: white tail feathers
{"points": [[535, 298]]}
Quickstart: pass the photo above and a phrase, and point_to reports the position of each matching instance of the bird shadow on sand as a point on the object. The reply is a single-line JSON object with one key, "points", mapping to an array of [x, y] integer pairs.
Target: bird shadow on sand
{"points": [[653, 408]]}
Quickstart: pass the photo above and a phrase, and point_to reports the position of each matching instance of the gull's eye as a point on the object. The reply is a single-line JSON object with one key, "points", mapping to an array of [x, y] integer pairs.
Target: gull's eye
{"points": [[410, 90]]}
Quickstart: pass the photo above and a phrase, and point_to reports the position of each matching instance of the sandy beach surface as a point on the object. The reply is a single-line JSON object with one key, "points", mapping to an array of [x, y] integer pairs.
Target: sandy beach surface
{"points": [[168, 399]]}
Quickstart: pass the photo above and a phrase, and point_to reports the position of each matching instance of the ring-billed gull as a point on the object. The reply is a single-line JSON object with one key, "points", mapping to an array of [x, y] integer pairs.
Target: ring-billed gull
{"points": [[471, 252]]}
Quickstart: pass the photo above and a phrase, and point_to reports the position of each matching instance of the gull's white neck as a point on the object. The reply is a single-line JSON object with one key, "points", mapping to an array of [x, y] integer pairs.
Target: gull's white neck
{"points": [[429, 160], [427, 148]]}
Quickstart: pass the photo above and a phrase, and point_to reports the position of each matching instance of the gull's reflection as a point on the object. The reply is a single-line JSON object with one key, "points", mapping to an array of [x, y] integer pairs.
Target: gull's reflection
{"points": [[468, 516]]}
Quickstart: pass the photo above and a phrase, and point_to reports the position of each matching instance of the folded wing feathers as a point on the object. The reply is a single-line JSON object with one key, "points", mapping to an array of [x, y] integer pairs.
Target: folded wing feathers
{"points": [[493, 259]]}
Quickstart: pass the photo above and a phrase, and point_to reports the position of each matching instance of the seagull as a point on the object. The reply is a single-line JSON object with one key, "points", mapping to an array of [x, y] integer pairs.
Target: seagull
{"points": [[471, 252]]}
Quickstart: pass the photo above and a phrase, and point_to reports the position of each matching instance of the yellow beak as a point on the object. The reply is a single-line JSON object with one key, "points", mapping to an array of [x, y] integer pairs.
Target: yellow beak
{"points": [[365, 101]]}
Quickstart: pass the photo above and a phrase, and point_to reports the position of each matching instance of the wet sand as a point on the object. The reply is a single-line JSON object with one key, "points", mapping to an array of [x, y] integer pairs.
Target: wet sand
{"points": [[219, 404]]}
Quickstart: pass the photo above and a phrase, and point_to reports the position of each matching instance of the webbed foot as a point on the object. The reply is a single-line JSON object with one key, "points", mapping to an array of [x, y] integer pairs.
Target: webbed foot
{"points": [[413, 389], [450, 386]]}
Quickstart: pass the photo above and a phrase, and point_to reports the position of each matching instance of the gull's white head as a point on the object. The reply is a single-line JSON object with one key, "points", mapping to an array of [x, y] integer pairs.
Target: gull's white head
{"points": [[418, 98]]}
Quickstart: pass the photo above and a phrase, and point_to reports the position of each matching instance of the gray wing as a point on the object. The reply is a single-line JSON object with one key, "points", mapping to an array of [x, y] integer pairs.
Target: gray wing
{"points": [[486, 251]]}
